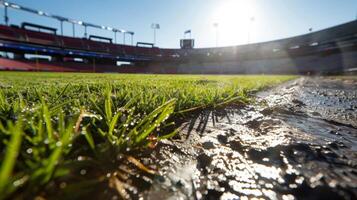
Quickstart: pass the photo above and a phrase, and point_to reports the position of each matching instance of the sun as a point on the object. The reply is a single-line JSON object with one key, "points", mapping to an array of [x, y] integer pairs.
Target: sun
{"points": [[235, 19]]}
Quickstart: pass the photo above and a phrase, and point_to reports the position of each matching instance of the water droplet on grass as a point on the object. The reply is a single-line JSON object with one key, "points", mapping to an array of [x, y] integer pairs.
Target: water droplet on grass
{"points": [[29, 150], [63, 185], [80, 158], [58, 144], [83, 172]]}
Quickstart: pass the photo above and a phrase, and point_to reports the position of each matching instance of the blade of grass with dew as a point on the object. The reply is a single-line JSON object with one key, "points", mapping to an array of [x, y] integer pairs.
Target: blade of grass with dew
{"points": [[12, 151]]}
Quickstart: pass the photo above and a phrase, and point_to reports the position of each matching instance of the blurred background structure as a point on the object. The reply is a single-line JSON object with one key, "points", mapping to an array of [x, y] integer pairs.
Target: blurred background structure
{"points": [[38, 47]]}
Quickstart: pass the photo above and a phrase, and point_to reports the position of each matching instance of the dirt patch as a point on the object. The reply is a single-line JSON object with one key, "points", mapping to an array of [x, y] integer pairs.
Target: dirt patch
{"points": [[299, 141]]}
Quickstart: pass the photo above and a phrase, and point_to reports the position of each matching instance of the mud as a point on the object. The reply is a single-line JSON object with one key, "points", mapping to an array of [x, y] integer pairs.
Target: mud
{"points": [[297, 141]]}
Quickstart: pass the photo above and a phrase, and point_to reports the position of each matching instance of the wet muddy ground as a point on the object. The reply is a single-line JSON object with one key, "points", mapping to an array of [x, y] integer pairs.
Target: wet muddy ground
{"points": [[297, 141]]}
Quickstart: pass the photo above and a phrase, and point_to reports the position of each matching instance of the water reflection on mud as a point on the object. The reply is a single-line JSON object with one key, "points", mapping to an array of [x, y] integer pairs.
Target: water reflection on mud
{"points": [[298, 142]]}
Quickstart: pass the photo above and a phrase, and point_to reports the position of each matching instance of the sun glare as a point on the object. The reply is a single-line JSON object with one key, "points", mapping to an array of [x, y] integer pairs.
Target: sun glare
{"points": [[235, 20]]}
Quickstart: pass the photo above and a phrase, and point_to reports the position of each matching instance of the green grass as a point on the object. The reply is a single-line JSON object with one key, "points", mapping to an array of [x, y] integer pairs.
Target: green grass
{"points": [[54, 124]]}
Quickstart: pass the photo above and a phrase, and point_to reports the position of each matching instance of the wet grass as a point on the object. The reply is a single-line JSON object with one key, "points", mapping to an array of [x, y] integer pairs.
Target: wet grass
{"points": [[55, 127]]}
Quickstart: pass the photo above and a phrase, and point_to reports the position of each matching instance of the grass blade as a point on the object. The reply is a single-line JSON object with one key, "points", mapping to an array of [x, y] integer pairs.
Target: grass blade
{"points": [[12, 151]]}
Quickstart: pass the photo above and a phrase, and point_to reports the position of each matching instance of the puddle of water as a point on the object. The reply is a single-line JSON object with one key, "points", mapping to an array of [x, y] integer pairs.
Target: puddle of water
{"points": [[290, 147]]}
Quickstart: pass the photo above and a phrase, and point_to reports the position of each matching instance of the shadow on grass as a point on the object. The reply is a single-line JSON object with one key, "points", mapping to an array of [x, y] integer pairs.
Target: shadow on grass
{"points": [[198, 121]]}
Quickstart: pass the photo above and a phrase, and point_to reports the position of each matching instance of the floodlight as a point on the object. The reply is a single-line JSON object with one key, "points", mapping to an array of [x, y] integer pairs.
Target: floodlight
{"points": [[14, 6], [155, 26], [63, 19]]}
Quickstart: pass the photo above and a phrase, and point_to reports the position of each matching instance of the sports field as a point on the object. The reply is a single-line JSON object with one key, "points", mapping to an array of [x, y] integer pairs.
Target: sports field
{"points": [[54, 125]]}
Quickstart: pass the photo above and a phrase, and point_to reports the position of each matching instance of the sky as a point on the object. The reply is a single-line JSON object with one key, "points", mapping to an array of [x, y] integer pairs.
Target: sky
{"points": [[239, 21]]}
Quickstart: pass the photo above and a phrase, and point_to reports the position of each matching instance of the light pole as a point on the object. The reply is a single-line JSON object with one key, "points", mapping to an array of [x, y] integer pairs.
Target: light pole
{"points": [[74, 30], [132, 37], [115, 36], [216, 25], [61, 23], [251, 20], [6, 17], [155, 26], [187, 32], [124, 38], [85, 31]]}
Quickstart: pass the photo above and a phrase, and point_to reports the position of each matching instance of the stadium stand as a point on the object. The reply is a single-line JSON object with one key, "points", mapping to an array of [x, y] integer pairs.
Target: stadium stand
{"points": [[13, 65], [72, 43], [307, 53]]}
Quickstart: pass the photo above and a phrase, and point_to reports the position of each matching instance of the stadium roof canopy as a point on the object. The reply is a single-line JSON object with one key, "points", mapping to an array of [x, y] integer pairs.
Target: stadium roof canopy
{"points": [[7, 4]]}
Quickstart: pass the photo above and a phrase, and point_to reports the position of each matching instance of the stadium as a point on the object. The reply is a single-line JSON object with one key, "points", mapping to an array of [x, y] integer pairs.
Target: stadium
{"points": [[332, 50], [89, 117]]}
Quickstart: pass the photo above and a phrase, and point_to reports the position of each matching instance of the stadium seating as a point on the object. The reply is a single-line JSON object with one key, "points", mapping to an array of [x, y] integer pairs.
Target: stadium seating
{"points": [[95, 46], [129, 50], [39, 38], [46, 39], [9, 33], [72, 43], [19, 40], [115, 49], [13, 65]]}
